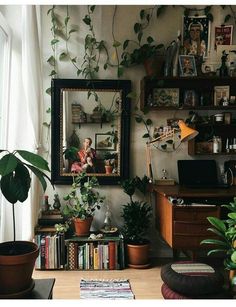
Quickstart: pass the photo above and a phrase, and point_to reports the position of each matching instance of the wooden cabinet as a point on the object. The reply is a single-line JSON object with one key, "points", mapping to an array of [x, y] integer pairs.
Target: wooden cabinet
{"points": [[183, 227], [172, 93]]}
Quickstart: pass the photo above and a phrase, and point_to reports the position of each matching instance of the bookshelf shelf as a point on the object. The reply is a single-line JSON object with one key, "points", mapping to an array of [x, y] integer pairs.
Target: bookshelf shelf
{"points": [[106, 253]]}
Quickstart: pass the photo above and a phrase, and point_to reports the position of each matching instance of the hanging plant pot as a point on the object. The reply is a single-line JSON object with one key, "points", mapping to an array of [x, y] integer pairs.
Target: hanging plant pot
{"points": [[138, 256], [108, 169], [154, 65], [82, 227], [17, 260]]}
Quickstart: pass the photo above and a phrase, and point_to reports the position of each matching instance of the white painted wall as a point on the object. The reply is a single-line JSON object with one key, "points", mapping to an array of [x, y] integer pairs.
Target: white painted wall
{"points": [[164, 30]]}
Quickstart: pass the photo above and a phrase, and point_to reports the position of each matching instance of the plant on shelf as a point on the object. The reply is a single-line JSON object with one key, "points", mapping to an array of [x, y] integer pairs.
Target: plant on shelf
{"points": [[82, 201], [15, 183], [137, 217], [226, 243], [110, 161]]}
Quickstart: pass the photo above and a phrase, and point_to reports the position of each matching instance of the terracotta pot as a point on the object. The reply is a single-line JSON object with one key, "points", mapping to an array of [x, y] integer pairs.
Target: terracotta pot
{"points": [[108, 169], [154, 66], [138, 255], [82, 227], [17, 260]]}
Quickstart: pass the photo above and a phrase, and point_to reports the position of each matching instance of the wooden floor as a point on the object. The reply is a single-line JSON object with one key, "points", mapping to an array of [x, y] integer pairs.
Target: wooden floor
{"points": [[145, 284]]}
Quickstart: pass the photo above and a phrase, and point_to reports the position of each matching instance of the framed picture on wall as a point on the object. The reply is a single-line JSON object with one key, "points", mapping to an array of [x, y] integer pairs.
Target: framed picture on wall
{"points": [[196, 35], [219, 93], [168, 97], [187, 66], [103, 141], [223, 35], [190, 98]]}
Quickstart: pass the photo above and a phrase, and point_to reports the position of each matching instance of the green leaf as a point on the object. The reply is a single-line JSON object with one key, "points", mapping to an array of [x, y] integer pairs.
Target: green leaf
{"points": [[53, 73], [72, 31], [87, 20], [34, 159], [142, 14], [126, 43], [138, 119], [146, 135], [116, 44], [74, 60], [63, 56], [160, 10], [170, 142], [164, 146], [40, 176], [8, 164], [207, 9], [48, 110], [210, 17], [148, 122], [92, 8], [227, 18], [150, 40], [67, 20], [79, 72], [54, 41], [15, 186], [217, 223], [51, 60], [218, 250], [132, 95], [232, 215], [48, 90], [120, 71], [215, 242], [137, 27]]}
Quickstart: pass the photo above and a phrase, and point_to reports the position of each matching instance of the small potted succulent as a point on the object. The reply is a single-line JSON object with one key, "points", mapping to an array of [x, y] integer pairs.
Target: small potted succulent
{"points": [[82, 201], [137, 218], [17, 258]]}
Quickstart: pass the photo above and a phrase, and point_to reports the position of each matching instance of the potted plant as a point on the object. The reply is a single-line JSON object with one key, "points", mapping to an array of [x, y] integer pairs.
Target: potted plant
{"points": [[137, 217], [17, 258], [146, 54], [110, 161], [226, 243], [82, 201]]}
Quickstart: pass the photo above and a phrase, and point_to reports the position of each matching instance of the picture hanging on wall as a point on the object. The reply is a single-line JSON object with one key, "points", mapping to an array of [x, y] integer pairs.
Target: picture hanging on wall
{"points": [[187, 66], [223, 35], [196, 35]]}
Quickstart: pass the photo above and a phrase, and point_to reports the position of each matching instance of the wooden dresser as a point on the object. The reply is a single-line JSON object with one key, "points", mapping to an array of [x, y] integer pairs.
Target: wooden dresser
{"points": [[184, 226]]}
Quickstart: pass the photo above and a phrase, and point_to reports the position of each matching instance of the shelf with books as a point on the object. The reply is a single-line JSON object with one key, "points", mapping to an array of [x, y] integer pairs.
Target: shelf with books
{"points": [[106, 253]]}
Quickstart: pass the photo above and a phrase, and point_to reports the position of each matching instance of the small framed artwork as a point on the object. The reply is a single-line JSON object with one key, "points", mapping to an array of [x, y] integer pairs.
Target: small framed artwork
{"points": [[168, 97], [223, 35], [190, 98], [227, 118], [196, 35], [221, 93], [103, 141], [187, 66]]}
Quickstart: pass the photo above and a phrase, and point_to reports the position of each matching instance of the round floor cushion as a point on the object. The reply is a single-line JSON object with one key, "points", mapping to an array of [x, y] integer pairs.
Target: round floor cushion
{"points": [[192, 278]]}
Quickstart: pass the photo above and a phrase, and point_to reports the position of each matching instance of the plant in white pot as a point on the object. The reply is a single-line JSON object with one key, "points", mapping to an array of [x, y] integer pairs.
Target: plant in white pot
{"points": [[82, 201], [17, 258], [137, 218]]}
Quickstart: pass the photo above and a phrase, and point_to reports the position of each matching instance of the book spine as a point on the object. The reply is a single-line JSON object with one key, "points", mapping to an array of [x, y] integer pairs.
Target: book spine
{"points": [[112, 255], [43, 251], [95, 257]]}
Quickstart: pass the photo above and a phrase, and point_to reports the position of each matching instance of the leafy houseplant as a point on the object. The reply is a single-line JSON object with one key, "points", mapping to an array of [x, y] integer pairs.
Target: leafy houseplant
{"points": [[137, 216], [226, 231], [81, 206], [17, 258]]}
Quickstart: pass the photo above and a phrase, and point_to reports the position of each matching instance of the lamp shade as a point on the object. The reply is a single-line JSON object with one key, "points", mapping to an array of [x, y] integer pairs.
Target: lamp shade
{"points": [[186, 133]]}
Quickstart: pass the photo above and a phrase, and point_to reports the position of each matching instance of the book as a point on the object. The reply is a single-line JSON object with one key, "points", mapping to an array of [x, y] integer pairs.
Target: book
{"points": [[112, 255], [95, 258]]}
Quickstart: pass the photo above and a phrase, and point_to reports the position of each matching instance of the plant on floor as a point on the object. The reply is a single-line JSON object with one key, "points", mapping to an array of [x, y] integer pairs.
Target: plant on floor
{"points": [[136, 214], [226, 231]]}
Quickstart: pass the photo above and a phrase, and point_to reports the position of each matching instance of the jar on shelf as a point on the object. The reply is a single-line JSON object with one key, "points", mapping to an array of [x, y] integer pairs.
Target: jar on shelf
{"points": [[217, 144]]}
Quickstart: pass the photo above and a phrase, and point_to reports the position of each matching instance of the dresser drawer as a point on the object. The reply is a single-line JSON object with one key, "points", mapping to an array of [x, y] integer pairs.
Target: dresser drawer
{"points": [[195, 213], [194, 228]]}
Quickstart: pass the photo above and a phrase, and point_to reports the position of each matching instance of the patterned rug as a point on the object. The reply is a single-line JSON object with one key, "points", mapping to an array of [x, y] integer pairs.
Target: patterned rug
{"points": [[105, 289]]}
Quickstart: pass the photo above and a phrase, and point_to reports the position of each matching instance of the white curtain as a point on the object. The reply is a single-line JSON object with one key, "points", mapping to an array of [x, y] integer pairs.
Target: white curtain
{"points": [[26, 100]]}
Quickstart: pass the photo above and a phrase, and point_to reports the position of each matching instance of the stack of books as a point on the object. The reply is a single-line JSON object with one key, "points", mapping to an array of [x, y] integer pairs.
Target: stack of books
{"points": [[50, 218]]}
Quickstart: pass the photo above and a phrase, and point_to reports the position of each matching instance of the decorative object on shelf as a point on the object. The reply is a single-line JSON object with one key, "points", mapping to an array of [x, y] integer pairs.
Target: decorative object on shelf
{"points": [[17, 258], [97, 115], [187, 66], [80, 207], [223, 67], [56, 203], [137, 216], [223, 35], [219, 93], [78, 115], [190, 98], [196, 35], [110, 159], [186, 134], [166, 97]]}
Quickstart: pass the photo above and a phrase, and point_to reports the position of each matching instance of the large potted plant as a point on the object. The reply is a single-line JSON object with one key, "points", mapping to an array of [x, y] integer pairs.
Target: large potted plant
{"points": [[137, 218], [82, 201], [17, 258], [225, 230], [147, 54]]}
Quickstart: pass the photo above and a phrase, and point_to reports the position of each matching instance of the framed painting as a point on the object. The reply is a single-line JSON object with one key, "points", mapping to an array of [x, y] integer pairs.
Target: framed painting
{"points": [[196, 35], [168, 97], [223, 35], [187, 66], [104, 141], [219, 93]]}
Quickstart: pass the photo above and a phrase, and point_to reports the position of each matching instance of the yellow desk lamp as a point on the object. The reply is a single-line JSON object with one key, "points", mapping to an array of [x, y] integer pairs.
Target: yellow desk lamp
{"points": [[186, 134]]}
